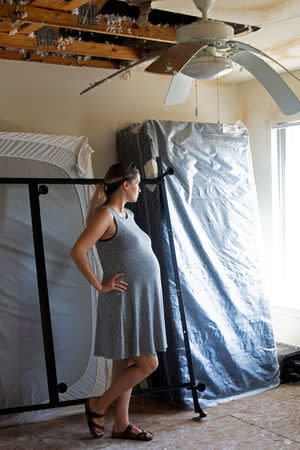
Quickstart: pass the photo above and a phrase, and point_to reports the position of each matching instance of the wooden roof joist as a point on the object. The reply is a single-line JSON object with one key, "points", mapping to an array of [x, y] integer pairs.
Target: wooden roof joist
{"points": [[109, 26], [28, 28], [63, 5], [55, 59], [73, 47]]}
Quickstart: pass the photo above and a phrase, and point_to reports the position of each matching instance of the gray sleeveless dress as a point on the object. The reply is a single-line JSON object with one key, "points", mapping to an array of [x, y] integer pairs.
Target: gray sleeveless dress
{"points": [[132, 322]]}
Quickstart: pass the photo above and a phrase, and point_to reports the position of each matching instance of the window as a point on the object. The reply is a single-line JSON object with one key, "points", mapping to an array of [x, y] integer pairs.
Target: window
{"points": [[286, 214]]}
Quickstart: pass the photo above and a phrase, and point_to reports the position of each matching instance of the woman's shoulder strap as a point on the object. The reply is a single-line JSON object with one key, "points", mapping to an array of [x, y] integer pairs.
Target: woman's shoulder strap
{"points": [[108, 207]]}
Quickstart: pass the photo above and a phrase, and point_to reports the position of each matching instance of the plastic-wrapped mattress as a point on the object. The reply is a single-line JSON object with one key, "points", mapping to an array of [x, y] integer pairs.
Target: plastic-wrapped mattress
{"points": [[215, 224]]}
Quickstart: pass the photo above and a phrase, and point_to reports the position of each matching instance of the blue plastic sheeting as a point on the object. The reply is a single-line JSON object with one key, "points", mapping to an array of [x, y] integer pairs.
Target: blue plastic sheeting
{"points": [[214, 216]]}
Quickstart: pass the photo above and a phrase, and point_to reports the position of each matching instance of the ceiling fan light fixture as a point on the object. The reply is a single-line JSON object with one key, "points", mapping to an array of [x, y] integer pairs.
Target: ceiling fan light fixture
{"points": [[204, 32], [208, 67]]}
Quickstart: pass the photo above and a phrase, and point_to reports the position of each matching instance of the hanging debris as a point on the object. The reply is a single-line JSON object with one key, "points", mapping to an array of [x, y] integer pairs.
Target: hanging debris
{"points": [[62, 42], [144, 8], [13, 31]]}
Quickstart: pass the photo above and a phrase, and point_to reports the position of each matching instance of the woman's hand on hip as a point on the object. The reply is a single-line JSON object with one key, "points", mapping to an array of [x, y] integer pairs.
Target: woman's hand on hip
{"points": [[113, 284]]}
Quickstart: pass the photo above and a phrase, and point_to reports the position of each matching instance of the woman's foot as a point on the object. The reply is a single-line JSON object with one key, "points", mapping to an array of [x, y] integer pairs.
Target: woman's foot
{"points": [[95, 416], [130, 431]]}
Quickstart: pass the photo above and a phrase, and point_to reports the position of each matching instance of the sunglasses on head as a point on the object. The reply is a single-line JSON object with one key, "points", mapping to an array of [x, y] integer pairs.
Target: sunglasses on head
{"points": [[131, 166]]}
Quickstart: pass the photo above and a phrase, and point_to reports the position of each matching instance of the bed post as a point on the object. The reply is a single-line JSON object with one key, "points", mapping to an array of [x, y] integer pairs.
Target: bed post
{"points": [[192, 385], [34, 193]]}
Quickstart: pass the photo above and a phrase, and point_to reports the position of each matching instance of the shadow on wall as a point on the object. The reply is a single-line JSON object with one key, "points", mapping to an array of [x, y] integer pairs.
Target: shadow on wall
{"points": [[6, 126], [9, 126]]}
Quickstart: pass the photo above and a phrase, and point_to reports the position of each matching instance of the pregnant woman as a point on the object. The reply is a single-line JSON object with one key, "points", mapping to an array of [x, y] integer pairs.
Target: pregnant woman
{"points": [[130, 321]]}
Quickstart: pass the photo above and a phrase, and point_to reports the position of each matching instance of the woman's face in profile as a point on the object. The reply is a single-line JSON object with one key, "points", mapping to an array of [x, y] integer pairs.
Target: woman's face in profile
{"points": [[134, 190]]}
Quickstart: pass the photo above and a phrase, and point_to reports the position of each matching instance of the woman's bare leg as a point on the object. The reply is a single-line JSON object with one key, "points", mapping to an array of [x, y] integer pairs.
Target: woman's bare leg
{"points": [[126, 379], [122, 402], [143, 366], [121, 411]]}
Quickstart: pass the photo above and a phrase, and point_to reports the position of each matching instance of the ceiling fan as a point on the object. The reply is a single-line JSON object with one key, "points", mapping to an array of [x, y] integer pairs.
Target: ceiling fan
{"points": [[205, 50]]}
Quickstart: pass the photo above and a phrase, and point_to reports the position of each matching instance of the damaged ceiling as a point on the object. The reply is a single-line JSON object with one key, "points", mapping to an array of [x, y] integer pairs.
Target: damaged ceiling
{"points": [[115, 33]]}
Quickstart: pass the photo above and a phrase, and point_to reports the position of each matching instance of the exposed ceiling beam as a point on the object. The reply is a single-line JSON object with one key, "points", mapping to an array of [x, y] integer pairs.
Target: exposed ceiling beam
{"points": [[54, 59], [67, 5], [73, 48], [63, 5], [5, 54], [28, 28], [71, 61], [42, 17], [5, 27]]}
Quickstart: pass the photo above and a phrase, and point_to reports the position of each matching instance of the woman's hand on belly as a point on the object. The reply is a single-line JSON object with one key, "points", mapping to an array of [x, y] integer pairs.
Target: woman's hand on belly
{"points": [[113, 284]]}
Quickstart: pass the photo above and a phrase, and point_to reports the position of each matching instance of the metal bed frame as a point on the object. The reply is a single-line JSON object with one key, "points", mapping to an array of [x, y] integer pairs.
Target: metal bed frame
{"points": [[37, 187]]}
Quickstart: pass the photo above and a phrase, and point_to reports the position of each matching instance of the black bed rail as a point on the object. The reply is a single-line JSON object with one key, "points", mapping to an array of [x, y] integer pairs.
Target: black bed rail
{"points": [[20, 180]]}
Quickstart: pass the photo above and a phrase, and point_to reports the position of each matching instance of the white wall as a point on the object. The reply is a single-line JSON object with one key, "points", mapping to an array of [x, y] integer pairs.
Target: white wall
{"points": [[259, 112], [45, 98]]}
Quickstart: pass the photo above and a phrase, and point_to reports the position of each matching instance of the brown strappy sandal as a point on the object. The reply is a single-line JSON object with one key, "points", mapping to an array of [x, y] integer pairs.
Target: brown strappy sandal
{"points": [[92, 425], [126, 434]]}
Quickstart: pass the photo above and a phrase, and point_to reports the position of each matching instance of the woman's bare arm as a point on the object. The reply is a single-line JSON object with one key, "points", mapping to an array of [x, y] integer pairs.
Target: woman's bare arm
{"points": [[79, 253]]}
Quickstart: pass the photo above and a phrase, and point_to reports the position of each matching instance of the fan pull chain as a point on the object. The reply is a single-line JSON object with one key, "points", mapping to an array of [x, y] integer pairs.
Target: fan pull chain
{"points": [[218, 94], [196, 90]]}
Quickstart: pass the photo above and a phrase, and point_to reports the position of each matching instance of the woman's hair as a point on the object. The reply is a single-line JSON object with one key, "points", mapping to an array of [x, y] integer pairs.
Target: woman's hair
{"points": [[114, 178]]}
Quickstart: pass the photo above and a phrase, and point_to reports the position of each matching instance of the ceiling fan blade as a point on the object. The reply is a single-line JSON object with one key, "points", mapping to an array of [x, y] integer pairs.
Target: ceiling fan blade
{"points": [[175, 58], [272, 82], [119, 72], [179, 89], [243, 46]]}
